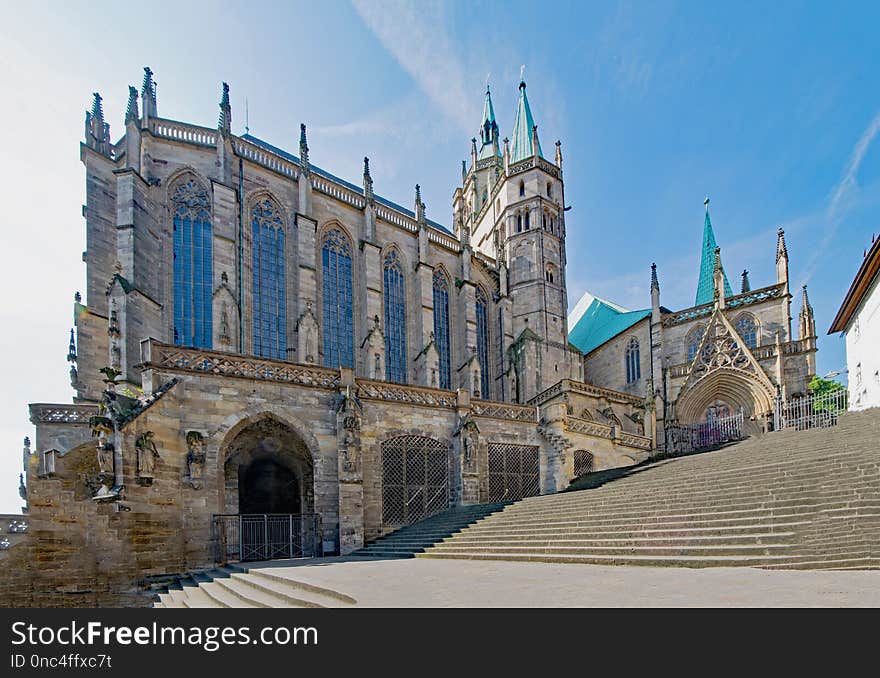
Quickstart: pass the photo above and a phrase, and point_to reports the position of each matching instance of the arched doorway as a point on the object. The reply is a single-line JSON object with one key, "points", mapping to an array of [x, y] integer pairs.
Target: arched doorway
{"points": [[269, 496]]}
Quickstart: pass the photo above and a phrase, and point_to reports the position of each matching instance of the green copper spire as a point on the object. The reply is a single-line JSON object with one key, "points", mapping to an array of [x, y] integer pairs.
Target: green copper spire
{"points": [[706, 286], [488, 129], [523, 126]]}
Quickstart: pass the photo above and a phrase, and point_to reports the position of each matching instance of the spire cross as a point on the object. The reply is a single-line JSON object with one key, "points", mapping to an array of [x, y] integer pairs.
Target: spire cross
{"points": [[522, 73]]}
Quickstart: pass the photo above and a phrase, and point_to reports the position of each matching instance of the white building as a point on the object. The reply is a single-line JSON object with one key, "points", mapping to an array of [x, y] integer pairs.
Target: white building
{"points": [[859, 320]]}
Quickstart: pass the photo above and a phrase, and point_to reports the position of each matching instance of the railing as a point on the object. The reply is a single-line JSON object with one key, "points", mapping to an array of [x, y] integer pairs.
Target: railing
{"points": [[265, 158], [814, 411], [701, 436], [569, 385], [45, 413], [247, 537], [180, 131]]}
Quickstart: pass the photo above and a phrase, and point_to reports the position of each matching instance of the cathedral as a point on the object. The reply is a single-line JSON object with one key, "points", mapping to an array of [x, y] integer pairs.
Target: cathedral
{"points": [[265, 348]]}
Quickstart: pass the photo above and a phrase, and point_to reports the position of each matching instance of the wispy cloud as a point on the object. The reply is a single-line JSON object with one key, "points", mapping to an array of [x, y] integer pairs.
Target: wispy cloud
{"points": [[843, 195], [416, 35]]}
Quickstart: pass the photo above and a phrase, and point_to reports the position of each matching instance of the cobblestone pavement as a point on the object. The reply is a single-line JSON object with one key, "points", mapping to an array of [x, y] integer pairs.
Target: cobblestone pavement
{"points": [[423, 582]]}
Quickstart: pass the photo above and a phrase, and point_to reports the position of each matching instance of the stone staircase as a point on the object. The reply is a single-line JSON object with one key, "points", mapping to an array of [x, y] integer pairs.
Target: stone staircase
{"points": [[791, 499], [238, 586], [415, 538]]}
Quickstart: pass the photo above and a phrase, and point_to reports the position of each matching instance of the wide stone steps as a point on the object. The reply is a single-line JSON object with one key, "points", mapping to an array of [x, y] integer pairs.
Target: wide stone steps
{"points": [[804, 500], [238, 587]]}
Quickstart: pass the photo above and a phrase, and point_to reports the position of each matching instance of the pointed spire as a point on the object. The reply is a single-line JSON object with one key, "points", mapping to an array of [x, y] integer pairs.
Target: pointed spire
{"points": [[97, 106], [655, 283], [525, 139], [97, 131], [559, 154], [419, 206], [706, 285], [304, 151], [368, 181], [131, 111], [746, 286], [807, 322], [148, 95], [224, 122], [463, 171], [488, 129], [71, 348], [781, 249]]}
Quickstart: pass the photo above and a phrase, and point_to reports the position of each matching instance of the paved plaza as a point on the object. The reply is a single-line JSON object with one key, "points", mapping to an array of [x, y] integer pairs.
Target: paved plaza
{"points": [[422, 582]]}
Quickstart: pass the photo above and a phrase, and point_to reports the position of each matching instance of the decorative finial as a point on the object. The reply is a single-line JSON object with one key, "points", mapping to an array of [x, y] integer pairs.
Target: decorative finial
{"points": [[368, 180], [706, 203], [77, 297], [522, 75], [148, 87], [224, 122], [27, 444], [97, 106], [655, 284], [746, 285], [71, 348], [131, 111], [304, 151], [487, 82]]}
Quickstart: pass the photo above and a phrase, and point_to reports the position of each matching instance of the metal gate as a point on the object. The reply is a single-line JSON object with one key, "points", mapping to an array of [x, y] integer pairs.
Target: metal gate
{"points": [[514, 472], [701, 436], [583, 462], [415, 479], [266, 536]]}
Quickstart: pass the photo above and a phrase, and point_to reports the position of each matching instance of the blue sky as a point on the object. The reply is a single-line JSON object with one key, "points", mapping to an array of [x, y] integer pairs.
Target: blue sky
{"points": [[772, 109]]}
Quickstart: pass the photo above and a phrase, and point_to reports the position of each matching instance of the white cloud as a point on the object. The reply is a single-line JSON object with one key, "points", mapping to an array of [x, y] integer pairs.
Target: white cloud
{"points": [[415, 35], [843, 196]]}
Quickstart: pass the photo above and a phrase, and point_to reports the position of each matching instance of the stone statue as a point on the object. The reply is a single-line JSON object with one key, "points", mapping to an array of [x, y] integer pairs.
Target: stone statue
{"points": [[195, 459], [105, 456], [307, 329], [348, 426], [146, 457]]}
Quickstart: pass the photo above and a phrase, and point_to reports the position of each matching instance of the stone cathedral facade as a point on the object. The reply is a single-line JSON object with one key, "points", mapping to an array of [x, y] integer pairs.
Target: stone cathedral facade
{"points": [[259, 336]]}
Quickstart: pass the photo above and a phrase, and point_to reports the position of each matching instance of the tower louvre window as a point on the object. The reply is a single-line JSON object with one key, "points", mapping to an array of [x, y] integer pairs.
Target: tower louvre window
{"points": [[395, 318], [337, 289], [441, 327], [483, 341], [270, 316], [522, 188], [193, 265]]}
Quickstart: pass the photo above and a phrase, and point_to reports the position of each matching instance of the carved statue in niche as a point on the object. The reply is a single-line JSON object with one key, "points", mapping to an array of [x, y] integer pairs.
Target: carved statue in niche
{"points": [[307, 330], [105, 456], [147, 454], [470, 437], [195, 459], [348, 427]]}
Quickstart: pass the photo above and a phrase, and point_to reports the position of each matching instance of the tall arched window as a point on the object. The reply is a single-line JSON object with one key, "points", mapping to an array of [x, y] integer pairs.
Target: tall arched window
{"points": [[522, 188], [270, 314], [483, 341], [747, 329], [338, 330], [633, 364], [395, 318], [441, 327], [694, 337], [193, 287]]}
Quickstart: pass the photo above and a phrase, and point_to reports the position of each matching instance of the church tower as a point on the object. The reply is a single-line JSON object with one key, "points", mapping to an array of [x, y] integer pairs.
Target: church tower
{"points": [[511, 208]]}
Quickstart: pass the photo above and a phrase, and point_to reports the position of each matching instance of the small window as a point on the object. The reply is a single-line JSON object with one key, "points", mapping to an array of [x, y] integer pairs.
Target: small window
{"points": [[527, 221], [522, 188], [633, 362], [519, 223], [549, 190]]}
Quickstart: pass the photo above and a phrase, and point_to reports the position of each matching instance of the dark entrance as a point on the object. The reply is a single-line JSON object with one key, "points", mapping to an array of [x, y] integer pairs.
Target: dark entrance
{"points": [[267, 486]]}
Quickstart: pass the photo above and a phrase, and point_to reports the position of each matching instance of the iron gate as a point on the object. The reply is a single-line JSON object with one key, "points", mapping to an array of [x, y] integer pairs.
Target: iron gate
{"points": [[265, 536], [813, 411], [701, 436], [583, 462], [514, 472], [415, 479]]}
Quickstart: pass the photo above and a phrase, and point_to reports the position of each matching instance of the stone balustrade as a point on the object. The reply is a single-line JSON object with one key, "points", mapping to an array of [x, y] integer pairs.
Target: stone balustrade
{"points": [[181, 131], [45, 413], [582, 388]]}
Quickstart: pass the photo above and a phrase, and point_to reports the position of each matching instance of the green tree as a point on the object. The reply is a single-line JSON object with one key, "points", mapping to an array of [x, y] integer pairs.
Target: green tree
{"points": [[829, 395]]}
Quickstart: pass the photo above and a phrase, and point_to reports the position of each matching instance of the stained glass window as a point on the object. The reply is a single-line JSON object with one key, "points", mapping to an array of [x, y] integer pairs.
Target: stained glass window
{"points": [[338, 324], [483, 341], [395, 318], [441, 327], [193, 265], [747, 329], [633, 366], [693, 342], [270, 317]]}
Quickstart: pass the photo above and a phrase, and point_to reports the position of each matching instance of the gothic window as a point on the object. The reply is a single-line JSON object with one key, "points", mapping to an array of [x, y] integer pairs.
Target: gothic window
{"points": [[395, 318], [633, 366], [527, 220], [549, 274], [694, 337], [270, 316], [193, 287], [483, 341], [747, 329], [522, 188], [338, 330], [519, 223], [441, 327]]}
